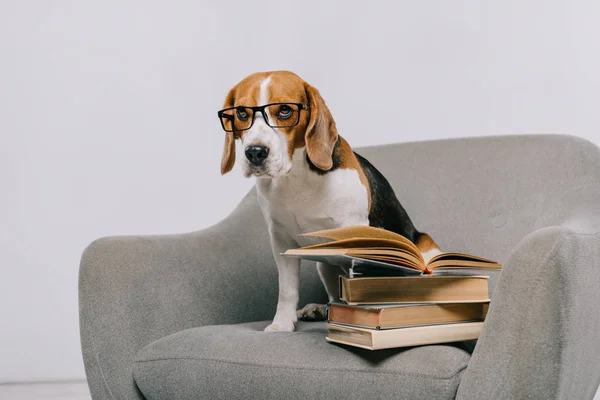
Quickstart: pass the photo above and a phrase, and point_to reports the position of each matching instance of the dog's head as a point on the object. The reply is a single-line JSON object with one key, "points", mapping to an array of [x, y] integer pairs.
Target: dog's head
{"points": [[273, 114]]}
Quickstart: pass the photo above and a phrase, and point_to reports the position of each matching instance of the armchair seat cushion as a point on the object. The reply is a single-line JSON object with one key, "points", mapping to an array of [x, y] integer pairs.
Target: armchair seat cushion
{"points": [[242, 362]]}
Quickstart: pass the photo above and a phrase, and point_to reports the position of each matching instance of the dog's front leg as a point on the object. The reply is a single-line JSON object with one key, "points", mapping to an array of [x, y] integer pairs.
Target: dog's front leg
{"points": [[289, 272]]}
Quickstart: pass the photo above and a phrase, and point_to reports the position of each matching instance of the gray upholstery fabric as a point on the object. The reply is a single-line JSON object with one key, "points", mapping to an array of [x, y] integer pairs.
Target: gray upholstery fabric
{"points": [[542, 336], [534, 198], [134, 290], [242, 362]]}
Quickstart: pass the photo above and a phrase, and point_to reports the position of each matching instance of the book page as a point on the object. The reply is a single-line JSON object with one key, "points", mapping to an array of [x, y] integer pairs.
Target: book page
{"points": [[359, 243], [439, 264], [387, 254], [460, 256], [361, 231], [461, 260]]}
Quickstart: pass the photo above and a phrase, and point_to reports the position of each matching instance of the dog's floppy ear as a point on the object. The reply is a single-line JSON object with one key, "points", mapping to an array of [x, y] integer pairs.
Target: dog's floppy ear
{"points": [[321, 133], [228, 158]]}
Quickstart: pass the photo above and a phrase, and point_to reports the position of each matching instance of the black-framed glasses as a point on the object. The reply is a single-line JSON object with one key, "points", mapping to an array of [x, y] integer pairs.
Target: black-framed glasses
{"points": [[276, 115]]}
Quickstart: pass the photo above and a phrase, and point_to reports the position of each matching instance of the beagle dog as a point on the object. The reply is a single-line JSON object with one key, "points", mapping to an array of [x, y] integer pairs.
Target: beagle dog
{"points": [[307, 179]]}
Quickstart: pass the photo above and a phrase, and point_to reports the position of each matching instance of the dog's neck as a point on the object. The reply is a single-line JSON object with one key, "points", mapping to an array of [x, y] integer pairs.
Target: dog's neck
{"points": [[307, 200]]}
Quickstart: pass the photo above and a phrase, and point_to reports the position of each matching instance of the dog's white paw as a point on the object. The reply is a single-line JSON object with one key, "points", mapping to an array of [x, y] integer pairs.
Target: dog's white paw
{"points": [[313, 312], [281, 326]]}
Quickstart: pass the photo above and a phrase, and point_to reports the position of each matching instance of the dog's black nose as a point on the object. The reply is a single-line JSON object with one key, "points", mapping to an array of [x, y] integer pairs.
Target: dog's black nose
{"points": [[256, 154]]}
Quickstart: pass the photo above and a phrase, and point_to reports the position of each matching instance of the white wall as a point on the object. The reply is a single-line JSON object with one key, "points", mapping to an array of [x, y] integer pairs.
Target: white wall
{"points": [[108, 115]]}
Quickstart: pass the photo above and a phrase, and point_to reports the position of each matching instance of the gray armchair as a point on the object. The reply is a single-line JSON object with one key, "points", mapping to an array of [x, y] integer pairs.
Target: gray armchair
{"points": [[174, 317]]}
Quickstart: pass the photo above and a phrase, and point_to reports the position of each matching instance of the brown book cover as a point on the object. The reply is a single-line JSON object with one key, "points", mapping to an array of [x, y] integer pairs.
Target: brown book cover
{"points": [[414, 289], [382, 246], [378, 316]]}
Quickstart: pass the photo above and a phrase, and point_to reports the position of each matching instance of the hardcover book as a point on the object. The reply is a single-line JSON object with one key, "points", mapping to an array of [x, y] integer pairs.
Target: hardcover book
{"points": [[366, 250]]}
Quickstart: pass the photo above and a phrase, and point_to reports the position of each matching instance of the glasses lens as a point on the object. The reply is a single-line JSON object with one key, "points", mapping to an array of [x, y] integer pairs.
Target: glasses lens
{"points": [[236, 119], [282, 115]]}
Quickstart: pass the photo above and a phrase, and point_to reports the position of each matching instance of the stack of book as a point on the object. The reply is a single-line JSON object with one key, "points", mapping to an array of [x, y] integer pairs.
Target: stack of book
{"points": [[392, 298]]}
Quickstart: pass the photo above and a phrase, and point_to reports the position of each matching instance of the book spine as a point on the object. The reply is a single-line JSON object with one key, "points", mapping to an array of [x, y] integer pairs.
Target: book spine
{"points": [[344, 290]]}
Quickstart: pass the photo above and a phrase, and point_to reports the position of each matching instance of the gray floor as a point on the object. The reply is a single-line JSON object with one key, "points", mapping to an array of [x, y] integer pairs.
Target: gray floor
{"points": [[61, 391], [45, 391]]}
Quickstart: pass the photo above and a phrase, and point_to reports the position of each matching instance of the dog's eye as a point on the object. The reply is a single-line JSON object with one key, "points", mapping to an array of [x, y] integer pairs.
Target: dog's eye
{"points": [[242, 114], [285, 112]]}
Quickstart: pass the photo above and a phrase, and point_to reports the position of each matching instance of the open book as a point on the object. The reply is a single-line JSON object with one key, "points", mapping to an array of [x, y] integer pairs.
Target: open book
{"points": [[371, 251]]}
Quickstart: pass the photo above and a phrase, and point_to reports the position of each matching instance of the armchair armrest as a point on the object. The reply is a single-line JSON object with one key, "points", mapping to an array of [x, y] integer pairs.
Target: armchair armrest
{"points": [[541, 338], [136, 289]]}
